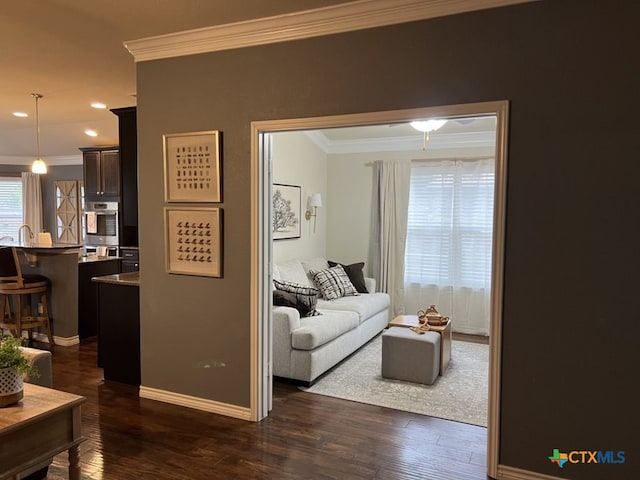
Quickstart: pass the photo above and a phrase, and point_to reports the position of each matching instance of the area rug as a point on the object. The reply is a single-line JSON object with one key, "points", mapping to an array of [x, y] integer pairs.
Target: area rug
{"points": [[461, 394]]}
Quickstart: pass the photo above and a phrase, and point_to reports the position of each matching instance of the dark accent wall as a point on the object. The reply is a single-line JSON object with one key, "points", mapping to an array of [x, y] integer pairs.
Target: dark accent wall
{"points": [[54, 173], [571, 324]]}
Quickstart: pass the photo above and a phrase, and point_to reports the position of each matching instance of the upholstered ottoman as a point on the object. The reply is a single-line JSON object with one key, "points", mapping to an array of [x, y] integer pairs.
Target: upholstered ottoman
{"points": [[409, 356]]}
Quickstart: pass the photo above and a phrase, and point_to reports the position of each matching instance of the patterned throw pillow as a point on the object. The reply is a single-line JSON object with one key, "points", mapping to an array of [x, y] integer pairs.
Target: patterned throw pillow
{"points": [[334, 283], [306, 297]]}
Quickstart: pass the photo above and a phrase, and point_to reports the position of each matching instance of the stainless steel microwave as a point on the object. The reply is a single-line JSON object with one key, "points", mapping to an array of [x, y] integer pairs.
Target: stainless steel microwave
{"points": [[100, 223]]}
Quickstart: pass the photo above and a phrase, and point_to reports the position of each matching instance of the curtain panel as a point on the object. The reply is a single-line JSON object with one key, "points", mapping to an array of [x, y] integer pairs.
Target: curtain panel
{"points": [[449, 241], [390, 228], [32, 201]]}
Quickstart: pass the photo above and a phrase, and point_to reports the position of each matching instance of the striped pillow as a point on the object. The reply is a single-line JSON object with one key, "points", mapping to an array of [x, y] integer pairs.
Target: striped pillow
{"points": [[306, 297], [334, 283]]}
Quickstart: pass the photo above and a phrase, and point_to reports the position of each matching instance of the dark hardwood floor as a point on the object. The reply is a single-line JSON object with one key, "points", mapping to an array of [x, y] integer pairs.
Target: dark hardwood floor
{"points": [[306, 436]]}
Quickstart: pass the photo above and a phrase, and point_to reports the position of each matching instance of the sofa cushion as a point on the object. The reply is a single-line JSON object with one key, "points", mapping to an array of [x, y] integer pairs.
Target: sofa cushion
{"points": [[355, 272], [316, 331], [292, 271], [306, 297], [314, 265], [333, 283], [365, 305]]}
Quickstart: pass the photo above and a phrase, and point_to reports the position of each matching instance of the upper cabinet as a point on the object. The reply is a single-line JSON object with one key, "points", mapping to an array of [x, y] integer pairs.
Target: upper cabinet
{"points": [[101, 173], [128, 137]]}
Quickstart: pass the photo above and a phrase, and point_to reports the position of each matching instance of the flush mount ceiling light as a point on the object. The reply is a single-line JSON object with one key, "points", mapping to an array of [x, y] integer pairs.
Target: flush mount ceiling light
{"points": [[38, 165], [91, 133], [20, 114], [427, 126], [99, 105]]}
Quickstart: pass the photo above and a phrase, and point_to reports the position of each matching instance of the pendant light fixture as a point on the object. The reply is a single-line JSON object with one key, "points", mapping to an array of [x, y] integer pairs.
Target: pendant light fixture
{"points": [[38, 165]]}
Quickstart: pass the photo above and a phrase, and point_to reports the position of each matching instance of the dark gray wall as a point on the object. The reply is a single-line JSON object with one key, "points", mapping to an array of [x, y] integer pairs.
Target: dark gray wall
{"points": [[54, 173], [570, 326]]}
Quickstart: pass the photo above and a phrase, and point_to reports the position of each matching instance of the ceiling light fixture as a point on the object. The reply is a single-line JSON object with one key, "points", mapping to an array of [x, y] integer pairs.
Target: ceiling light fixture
{"points": [[99, 105], [38, 165], [91, 133], [20, 114], [427, 126]]}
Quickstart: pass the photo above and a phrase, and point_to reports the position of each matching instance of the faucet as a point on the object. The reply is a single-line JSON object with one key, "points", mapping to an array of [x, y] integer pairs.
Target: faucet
{"points": [[29, 231]]}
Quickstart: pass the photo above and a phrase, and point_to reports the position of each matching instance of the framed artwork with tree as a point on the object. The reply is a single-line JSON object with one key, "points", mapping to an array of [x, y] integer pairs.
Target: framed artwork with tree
{"points": [[285, 211]]}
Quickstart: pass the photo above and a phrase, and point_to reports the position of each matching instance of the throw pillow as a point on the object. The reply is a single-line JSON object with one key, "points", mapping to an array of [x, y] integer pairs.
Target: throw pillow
{"points": [[306, 297], [334, 283], [286, 299], [355, 273]]}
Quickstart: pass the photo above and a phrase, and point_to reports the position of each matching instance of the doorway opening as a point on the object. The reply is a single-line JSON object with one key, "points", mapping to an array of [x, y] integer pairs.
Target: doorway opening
{"points": [[264, 255]]}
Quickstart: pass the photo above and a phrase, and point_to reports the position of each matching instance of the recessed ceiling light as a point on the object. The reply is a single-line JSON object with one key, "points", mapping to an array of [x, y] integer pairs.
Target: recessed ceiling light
{"points": [[99, 105], [20, 114], [91, 133]]}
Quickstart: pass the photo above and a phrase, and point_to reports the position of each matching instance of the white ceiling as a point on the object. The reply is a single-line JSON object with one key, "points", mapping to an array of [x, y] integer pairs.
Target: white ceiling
{"points": [[72, 52]]}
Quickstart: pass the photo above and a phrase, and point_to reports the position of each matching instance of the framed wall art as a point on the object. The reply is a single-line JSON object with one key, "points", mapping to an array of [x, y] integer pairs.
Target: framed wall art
{"points": [[285, 211], [192, 167], [193, 241]]}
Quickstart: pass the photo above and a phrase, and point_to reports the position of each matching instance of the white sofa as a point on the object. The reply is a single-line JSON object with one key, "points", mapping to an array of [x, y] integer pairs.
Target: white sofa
{"points": [[305, 348]]}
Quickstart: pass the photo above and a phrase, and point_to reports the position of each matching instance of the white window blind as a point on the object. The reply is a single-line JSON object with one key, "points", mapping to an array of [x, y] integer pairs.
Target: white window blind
{"points": [[450, 224], [10, 206]]}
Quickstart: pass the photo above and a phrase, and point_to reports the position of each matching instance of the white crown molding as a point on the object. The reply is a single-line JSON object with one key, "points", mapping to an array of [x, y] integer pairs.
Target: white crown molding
{"points": [[345, 17], [402, 144], [52, 161]]}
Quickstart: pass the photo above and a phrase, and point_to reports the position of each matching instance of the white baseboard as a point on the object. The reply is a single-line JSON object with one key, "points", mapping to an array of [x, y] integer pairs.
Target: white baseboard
{"points": [[59, 341], [512, 473], [211, 406]]}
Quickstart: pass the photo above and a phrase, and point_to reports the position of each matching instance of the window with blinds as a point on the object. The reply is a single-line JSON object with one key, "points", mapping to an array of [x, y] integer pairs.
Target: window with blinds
{"points": [[10, 206], [450, 223]]}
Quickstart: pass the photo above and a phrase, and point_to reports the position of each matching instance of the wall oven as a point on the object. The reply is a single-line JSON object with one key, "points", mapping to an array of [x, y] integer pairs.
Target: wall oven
{"points": [[101, 223]]}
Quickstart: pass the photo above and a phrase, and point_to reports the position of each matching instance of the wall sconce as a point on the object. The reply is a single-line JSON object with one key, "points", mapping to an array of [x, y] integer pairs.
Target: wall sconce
{"points": [[315, 201]]}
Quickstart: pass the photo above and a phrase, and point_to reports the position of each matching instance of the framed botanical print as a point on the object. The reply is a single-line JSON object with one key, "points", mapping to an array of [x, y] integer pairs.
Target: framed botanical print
{"points": [[192, 167], [285, 211]]}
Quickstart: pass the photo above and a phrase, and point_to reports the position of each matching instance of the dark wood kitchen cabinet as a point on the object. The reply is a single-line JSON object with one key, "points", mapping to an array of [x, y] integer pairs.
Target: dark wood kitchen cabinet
{"points": [[130, 260], [101, 173], [119, 327], [128, 138], [88, 293]]}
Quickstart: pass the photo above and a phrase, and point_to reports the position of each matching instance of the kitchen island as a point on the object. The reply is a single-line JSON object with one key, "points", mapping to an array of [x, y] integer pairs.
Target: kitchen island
{"points": [[119, 327], [64, 266]]}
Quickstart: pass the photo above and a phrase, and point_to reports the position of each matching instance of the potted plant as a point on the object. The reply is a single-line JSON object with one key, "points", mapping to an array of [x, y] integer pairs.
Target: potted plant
{"points": [[13, 365]]}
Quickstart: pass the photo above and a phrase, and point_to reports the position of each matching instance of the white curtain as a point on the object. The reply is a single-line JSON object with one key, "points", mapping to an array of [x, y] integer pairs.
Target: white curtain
{"points": [[32, 202], [390, 227], [449, 241]]}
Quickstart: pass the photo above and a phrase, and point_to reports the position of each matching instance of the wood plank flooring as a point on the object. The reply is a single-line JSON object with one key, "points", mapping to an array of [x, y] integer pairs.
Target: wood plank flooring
{"points": [[306, 436]]}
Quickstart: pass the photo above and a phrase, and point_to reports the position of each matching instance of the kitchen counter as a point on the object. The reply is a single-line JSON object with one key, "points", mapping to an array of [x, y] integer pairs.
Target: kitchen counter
{"points": [[119, 327], [128, 279], [96, 258]]}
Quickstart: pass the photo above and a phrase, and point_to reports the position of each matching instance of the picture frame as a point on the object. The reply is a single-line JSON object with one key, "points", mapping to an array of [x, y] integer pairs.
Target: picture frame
{"points": [[285, 211], [194, 241], [192, 167]]}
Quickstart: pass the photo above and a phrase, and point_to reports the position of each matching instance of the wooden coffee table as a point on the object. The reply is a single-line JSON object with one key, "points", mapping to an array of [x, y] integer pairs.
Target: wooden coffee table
{"points": [[44, 423], [444, 331]]}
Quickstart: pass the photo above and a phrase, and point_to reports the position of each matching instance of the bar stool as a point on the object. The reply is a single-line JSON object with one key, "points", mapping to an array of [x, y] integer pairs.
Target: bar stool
{"points": [[18, 287]]}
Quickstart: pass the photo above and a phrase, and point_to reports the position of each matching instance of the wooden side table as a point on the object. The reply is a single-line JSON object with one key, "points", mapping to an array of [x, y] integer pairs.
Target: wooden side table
{"points": [[445, 332], [43, 424]]}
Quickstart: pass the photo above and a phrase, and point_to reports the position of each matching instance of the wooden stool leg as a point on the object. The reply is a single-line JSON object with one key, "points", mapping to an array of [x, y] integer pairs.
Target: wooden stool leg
{"points": [[19, 316], [47, 321]]}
